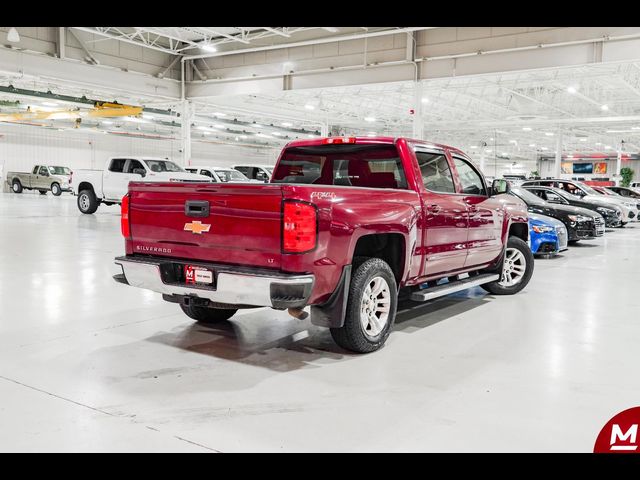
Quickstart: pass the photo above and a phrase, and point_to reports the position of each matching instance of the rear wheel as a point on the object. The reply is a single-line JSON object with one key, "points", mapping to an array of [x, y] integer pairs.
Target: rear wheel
{"points": [[42, 192], [16, 186], [56, 190], [208, 315], [87, 202], [517, 268], [371, 307]]}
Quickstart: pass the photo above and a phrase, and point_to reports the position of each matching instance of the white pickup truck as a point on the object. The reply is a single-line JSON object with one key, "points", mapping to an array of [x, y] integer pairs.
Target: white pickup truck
{"points": [[108, 186]]}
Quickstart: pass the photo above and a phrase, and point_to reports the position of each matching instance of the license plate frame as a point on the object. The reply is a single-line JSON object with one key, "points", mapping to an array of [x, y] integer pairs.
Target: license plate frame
{"points": [[198, 276]]}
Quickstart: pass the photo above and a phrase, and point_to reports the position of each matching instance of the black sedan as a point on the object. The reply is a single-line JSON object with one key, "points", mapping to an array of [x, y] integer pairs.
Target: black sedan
{"points": [[612, 214], [582, 224]]}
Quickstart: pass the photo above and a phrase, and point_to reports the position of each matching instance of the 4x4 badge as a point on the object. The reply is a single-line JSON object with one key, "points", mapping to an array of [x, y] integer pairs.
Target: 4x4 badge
{"points": [[197, 227]]}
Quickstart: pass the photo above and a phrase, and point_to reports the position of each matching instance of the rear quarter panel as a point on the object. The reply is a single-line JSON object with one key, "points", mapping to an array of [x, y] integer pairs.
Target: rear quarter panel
{"points": [[346, 214]]}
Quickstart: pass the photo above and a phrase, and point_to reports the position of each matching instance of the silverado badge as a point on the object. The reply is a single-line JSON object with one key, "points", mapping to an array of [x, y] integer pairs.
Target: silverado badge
{"points": [[197, 227]]}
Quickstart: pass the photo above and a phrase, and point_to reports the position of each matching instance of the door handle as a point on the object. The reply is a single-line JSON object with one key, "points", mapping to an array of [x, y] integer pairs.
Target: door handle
{"points": [[434, 208]]}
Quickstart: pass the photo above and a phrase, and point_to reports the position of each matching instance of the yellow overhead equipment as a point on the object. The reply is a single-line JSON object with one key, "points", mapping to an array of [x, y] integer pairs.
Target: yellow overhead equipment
{"points": [[100, 109]]}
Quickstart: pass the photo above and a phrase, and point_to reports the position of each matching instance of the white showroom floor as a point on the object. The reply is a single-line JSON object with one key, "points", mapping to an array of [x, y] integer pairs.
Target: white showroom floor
{"points": [[90, 365]]}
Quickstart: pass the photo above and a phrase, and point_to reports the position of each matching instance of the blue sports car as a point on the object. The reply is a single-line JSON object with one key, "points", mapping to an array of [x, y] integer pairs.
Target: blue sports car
{"points": [[548, 235]]}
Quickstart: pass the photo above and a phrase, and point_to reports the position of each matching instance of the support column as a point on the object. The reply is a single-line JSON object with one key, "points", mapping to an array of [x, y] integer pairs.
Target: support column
{"points": [[61, 43], [482, 162], [418, 127], [557, 165], [324, 130], [185, 132], [617, 178]]}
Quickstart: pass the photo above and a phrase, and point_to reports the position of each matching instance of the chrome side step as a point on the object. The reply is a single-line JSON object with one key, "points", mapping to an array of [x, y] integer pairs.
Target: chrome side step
{"points": [[453, 287]]}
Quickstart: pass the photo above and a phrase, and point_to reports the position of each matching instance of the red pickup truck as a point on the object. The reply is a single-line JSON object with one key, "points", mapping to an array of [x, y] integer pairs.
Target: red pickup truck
{"points": [[345, 226]]}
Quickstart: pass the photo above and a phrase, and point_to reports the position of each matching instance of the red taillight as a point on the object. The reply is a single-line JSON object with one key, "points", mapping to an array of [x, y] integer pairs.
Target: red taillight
{"points": [[337, 140], [124, 221], [300, 227]]}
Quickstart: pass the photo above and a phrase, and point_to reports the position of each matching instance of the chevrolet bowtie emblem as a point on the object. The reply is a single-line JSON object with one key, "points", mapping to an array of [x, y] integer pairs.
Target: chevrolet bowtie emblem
{"points": [[196, 227]]}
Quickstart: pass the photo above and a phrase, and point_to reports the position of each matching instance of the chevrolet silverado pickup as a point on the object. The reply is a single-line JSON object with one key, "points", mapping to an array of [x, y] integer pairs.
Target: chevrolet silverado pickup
{"points": [[346, 226], [93, 187], [43, 178]]}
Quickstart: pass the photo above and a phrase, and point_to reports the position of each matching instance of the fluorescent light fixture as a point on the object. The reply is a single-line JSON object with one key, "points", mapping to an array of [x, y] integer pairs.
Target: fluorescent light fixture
{"points": [[208, 47], [237, 139], [331, 29], [491, 139], [425, 100], [569, 156], [219, 125], [504, 154], [287, 124], [243, 136], [369, 119], [474, 146], [488, 150], [206, 133], [276, 133], [618, 131], [13, 36], [607, 147], [308, 106], [549, 134], [257, 125], [311, 136], [544, 148], [513, 141], [526, 129], [635, 128], [598, 143], [262, 135], [582, 139], [572, 89], [604, 108], [200, 127], [107, 122], [532, 145], [50, 104], [219, 114], [147, 116]]}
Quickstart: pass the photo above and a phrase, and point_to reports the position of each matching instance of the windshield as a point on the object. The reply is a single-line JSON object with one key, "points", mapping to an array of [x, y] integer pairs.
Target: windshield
{"points": [[162, 166], [369, 166], [230, 176], [59, 171], [528, 197], [588, 189], [564, 194]]}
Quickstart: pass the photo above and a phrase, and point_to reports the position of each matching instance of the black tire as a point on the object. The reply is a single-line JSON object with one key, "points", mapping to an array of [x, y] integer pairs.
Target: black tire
{"points": [[42, 192], [87, 202], [573, 242], [523, 247], [353, 335], [16, 186], [208, 315], [55, 189], [622, 224]]}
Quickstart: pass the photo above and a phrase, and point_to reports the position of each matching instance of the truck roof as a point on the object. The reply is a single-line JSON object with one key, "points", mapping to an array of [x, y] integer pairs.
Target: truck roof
{"points": [[372, 140]]}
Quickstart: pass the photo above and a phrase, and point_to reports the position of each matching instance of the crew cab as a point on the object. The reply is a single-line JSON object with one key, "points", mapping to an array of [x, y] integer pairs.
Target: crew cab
{"points": [[44, 178], [108, 186], [345, 225]]}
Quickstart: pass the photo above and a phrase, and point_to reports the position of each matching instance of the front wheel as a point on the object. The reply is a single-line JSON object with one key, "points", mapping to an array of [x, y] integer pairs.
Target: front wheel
{"points": [[208, 315], [371, 307], [517, 268], [87, 202], [56, 190]]}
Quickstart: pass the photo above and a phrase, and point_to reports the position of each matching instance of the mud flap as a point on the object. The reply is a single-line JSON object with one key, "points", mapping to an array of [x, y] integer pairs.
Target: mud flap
{"points": [[331, 314]]}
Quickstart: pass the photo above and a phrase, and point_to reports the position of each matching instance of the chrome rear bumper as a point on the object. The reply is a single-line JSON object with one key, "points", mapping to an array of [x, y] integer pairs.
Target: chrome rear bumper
{"points": [[233, 286]]}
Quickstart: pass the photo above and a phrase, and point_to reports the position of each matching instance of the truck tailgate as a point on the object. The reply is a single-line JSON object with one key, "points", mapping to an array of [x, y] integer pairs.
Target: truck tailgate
{"points": [[243, 226]]}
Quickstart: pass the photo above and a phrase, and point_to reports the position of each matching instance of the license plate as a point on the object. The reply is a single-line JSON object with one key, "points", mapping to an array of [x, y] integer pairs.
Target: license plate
{"points": [[197, 275]]}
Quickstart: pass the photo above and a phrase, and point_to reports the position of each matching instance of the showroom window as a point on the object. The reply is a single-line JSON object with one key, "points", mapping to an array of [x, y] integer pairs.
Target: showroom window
{"points": [[435, 171], [470, 179], [117, 165]]}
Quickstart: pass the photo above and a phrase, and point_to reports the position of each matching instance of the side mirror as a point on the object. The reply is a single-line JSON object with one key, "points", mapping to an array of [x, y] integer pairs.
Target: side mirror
{"points": [[140, 171], [500, 185]]}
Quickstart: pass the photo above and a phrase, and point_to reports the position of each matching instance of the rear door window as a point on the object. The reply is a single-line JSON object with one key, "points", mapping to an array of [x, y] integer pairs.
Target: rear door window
{"points": [[366, 166], [134, 165], [117, 165], [43, 171], [435, 171]]}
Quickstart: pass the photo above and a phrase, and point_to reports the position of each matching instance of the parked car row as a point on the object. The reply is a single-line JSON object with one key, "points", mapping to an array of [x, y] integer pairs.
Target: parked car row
{"points": [[563, 212]]}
